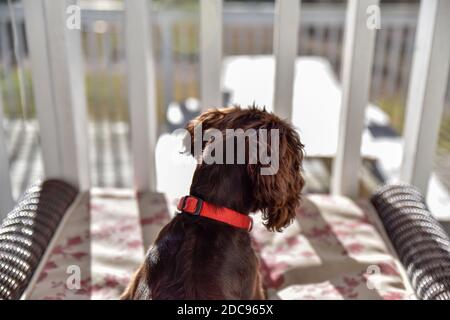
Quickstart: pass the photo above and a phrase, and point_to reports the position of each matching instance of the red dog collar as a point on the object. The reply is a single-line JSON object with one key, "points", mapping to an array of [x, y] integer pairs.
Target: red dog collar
{"points": [[198, 207]]}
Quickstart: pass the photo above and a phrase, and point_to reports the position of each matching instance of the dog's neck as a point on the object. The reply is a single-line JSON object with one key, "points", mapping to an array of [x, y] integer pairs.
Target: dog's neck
{"points": [[223, 185]]}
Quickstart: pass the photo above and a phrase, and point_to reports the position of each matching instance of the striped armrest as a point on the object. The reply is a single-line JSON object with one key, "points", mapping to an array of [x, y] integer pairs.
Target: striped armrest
{"points": [[27, 230], [420, 241]]}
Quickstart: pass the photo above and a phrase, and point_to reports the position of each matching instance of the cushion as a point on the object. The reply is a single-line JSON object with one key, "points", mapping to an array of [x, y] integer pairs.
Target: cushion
{"points": [[335, 249]]}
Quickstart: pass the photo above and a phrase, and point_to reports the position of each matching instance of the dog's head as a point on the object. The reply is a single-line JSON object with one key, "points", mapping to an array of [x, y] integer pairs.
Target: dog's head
{"points": [[267, 177]]}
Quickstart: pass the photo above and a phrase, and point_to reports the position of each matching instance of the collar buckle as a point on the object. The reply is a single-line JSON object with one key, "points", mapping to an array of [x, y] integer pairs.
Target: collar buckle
{"points": [[182, 204], [198, 207]]}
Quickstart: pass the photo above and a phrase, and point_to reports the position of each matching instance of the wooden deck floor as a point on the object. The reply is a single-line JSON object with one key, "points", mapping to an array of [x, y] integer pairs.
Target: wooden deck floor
{"points": [[111, 165], [111, 160]]}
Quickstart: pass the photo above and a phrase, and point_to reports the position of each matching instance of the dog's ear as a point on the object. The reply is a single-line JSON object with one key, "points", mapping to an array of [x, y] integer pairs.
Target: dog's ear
{"points": [[278, 194]]}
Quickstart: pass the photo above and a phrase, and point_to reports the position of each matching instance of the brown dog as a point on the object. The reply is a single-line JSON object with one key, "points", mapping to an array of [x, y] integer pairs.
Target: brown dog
{"points": [[201, 258]]}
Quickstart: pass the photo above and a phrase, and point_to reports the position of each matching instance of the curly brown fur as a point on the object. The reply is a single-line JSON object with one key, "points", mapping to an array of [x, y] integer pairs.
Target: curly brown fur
{"points": [[199, 258]]}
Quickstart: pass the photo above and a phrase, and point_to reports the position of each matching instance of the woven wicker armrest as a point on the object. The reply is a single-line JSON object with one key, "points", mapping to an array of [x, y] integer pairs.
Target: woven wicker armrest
{"points": [[420, 241], [26, 232]]}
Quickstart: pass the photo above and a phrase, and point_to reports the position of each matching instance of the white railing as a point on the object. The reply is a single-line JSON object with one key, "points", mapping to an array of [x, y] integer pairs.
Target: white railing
{"points": [[356, 69], [57, 71], [426, 91], [6, 199], [141, 93], [210, 52], [55, 56], [59, 93], [247, 30], [286, 22]]}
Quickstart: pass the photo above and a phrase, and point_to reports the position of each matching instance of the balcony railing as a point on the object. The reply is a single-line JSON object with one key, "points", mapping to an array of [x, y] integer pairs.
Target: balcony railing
{"points": [[60, 98]]}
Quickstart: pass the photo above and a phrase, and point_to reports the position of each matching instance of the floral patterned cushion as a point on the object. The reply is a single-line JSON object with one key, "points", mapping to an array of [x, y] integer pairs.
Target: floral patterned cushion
{"points": [[336, 249]]}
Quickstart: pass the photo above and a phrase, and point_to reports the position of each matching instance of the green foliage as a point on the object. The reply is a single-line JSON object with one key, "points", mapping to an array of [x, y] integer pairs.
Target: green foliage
{"points": [[395, 108], [107, 100], [10, 86]]}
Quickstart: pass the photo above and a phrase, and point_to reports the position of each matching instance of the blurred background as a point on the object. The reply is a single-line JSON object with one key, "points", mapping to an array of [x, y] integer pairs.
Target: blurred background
{"points": [[248, 31]]}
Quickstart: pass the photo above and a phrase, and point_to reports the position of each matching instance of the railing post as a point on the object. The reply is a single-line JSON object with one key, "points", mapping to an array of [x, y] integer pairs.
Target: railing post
{"points": [[356, 74], [166, 27], [141, 92], [6, 199], [285, 37], [427, 89], [57, 71], [210, 53]]}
